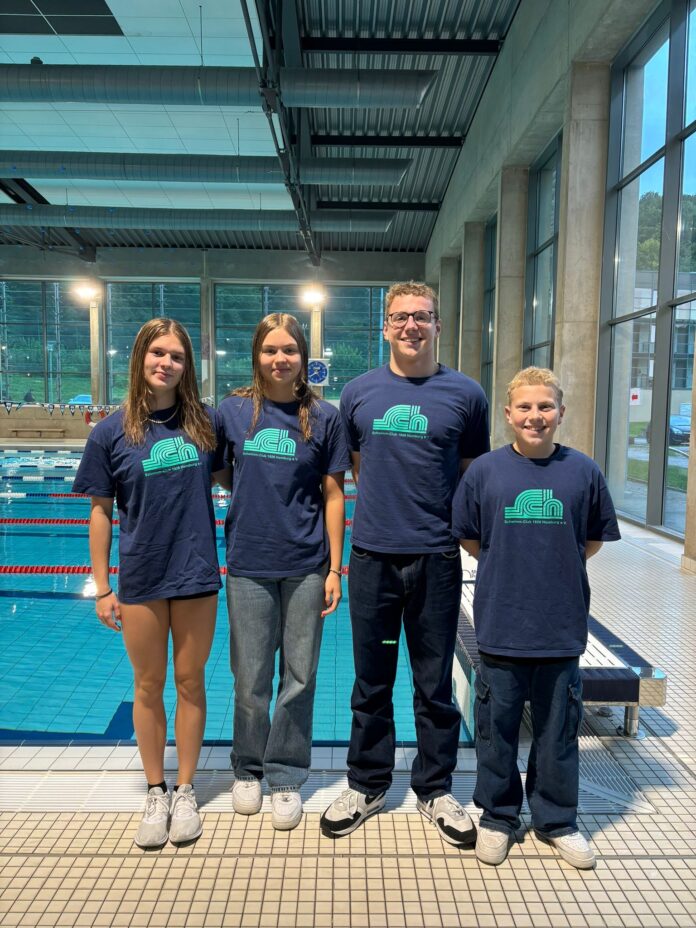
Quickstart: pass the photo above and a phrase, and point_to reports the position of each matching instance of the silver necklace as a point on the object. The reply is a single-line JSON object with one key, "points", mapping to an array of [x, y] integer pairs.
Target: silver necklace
{"points": [[162, 421]]}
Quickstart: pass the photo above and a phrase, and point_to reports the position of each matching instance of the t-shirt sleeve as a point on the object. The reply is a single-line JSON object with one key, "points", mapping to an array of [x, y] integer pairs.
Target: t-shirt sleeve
{"points": [[219, 458], [95, 475], [466, 510], [352, 435], [475, 439], [601, 520], [335, 457]]}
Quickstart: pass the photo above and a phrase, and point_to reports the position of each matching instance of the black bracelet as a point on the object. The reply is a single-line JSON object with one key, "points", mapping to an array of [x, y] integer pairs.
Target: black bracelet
{"points": [[103, 595], [332, 570]]}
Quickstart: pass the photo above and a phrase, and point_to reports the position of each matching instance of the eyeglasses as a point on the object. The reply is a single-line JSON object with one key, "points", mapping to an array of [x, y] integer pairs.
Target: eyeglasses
{"points": [[420, 317]]}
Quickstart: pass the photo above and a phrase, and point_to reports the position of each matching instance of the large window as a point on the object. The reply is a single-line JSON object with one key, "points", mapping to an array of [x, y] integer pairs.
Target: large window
{"points": [[542, 242], [128, 306], [488, 321], [650, 255], [352, 330], [44, 342]]}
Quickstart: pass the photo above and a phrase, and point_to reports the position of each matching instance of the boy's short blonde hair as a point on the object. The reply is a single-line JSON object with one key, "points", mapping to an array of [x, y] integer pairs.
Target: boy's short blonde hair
{"points": [[535, 377], [412, 288]]}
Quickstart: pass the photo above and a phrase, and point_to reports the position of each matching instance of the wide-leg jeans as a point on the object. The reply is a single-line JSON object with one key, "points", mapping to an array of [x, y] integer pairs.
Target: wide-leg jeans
{"points": [[423, 591], [267, 613], [554, 691]]}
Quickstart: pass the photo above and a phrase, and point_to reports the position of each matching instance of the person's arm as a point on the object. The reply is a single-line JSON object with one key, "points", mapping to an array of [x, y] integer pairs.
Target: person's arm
{"points": [[355, 466], [463, 464], [335, 521], [591, 548], [471, 547], [107, 607]]}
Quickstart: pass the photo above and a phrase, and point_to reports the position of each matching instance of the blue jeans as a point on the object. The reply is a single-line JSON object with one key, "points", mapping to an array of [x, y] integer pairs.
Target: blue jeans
{"points": [[554, 691], [423, 591], [267, 613]]}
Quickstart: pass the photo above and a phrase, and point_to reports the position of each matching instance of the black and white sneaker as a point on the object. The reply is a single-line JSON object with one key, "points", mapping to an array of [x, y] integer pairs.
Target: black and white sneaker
{"points": [[450, 819], [348, 812]]}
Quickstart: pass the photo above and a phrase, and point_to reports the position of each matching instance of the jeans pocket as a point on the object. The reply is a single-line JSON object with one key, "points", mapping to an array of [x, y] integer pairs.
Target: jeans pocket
{"points": [[574, 712], [360, 553], [450, 555], [482, 709]]}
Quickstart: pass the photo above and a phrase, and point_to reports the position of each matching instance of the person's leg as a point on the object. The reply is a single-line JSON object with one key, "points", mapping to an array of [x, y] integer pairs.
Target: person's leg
{"points": [[193, 626], [553, 768], [288, 751], [254, 614], [145, 629], [376, 605], [433, 586], [501, 690]]}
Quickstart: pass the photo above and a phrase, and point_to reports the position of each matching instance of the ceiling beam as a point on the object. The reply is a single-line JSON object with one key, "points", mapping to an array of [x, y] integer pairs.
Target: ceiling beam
{"points": [[366, 45], [392, 205], [389, 141]]}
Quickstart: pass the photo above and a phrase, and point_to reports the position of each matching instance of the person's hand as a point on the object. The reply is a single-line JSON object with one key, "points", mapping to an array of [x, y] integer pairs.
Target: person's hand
{"points": [[332, 593], [108, 611]]}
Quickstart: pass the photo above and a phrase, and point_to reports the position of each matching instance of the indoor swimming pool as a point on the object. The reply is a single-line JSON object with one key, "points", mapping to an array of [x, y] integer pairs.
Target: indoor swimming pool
{"points": [[64, 677]]}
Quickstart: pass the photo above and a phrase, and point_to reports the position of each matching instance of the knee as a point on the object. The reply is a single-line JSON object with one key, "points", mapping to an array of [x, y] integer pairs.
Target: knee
{"points": [[149, 688], [190, 685]]}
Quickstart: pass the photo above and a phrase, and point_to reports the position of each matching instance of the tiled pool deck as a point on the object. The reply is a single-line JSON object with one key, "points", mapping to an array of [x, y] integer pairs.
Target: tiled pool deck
{"points": [[69, 815]]}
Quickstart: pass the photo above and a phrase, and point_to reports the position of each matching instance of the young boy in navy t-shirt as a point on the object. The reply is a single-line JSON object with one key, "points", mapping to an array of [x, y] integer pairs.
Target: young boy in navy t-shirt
{"points": [[532, 513]]}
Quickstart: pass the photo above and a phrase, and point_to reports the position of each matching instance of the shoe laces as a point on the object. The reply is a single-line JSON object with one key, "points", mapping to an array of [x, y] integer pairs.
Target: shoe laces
{"points": [[450, 805], [575, 839], [156, 804], [347, 801], [184, 803]]}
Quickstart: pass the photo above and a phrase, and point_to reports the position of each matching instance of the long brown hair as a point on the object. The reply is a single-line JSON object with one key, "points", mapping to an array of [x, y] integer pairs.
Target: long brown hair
{"points": [[193, 418], [303, 393]]}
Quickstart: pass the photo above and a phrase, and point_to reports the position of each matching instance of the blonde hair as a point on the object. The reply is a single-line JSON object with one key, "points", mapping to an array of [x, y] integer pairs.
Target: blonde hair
{"points": [[302, 391], [412, 288], [193, 418], [535, 377]]}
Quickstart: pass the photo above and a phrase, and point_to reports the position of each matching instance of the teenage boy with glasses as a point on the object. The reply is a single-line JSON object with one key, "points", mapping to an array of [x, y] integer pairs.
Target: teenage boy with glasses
{"points": [[413, 426]]}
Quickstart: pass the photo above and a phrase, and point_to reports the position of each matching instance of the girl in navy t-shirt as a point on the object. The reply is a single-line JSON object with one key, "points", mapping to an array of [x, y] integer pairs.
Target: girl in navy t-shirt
{"points": [[155, 457], [284, 532]]}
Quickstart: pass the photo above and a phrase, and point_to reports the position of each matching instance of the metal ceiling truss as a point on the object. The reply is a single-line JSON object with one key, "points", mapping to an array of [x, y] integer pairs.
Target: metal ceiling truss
{"points": [[368, 44]]}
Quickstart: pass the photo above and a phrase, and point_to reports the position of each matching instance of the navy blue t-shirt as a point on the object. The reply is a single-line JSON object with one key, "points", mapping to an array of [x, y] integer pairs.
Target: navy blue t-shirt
{"points": [[275, 523], [533, 518], [411, 434], [166, 544]]}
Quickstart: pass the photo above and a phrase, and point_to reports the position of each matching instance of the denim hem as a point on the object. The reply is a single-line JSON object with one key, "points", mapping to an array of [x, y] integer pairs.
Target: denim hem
{"points": [[364, 791], [246, 779], [496, 826], [284, 789], [557, 832], [429, 797]]}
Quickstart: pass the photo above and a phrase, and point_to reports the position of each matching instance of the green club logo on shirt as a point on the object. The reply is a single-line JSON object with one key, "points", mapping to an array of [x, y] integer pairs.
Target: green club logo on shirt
{"points": [[170, 454], [271, 443], [535, 506], [402, 420]]}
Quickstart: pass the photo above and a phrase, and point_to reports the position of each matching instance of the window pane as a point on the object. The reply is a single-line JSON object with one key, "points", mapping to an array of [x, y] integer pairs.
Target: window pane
{"points": [[690, 108], [640, 224], [633, 349], [541, 357], [67, 343], [547, 201], [679, 431], [686, 279], [645, 101], [543, 296]]}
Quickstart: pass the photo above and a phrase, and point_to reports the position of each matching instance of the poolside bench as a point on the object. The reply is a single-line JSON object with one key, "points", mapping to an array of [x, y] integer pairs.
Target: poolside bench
{"points": [[37, 432], [613, 674]]}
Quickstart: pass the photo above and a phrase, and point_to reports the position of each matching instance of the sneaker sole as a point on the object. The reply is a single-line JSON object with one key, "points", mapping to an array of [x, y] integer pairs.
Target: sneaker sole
{"points": [[287, 825], [492, 860], [580, 863], [328, 833], [148, 847], [188, 838], [246, 810], [469, 836]]}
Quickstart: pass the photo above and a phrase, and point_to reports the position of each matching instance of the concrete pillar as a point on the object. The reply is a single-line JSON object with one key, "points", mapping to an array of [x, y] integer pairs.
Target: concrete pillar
{"points": [[689, 558], [473, 284], [207, 297], [509, 293], [448, 291], [579, 264]]}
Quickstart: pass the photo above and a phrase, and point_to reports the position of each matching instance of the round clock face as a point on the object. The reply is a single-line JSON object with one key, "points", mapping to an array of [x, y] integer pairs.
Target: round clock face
{"points": [[317, 371]]}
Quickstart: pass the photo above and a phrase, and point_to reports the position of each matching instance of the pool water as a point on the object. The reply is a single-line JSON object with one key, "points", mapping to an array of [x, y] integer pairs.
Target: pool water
{"points": [[64, 677]]}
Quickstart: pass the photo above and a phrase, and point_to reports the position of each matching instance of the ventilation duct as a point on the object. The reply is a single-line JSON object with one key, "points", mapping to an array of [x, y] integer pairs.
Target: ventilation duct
{"points": [[108, 217], [212, 169], [189, 86]]}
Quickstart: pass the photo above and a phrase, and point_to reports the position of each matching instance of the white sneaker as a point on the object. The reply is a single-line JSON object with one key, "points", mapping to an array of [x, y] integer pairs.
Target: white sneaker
{"points": [[153, 830], [287, 809], [246, 797], [573, 848], [348, 811], [186, 822], [491, 845], [450, 819]]}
